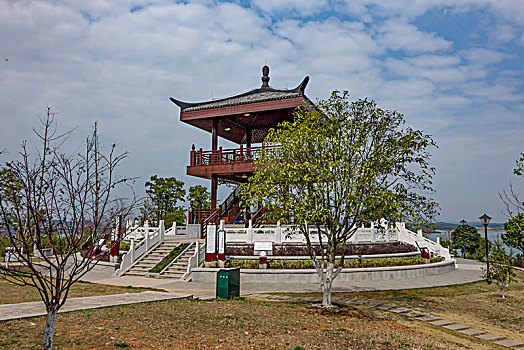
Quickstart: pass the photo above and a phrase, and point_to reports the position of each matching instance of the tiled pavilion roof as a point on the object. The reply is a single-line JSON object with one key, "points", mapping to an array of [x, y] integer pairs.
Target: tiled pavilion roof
{"points": [[257, 110]]}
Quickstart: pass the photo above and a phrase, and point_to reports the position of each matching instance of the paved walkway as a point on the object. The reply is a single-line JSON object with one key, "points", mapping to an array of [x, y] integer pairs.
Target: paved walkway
{"points": [[468, 271], [407, 312], [32, 309]]}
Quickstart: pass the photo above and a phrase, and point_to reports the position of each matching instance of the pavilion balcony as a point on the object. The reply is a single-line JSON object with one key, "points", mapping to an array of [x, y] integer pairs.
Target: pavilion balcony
{"points": [[233, 165]]}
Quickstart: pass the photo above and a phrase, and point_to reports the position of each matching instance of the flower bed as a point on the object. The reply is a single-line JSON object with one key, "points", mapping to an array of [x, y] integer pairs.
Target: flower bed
{"points": [[354, 249], [350, 263]]}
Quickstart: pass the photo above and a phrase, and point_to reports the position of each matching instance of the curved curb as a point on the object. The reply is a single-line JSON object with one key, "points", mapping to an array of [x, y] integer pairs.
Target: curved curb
{"points": [[350, 274]]}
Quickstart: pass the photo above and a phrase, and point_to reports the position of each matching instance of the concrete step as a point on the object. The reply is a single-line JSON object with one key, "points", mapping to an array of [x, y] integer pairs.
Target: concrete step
{"points": [[172, 275], [132, 273]]}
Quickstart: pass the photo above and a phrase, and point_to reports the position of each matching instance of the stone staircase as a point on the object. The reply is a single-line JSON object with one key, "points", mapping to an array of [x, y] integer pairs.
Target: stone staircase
{"points": [[179, 268], [148, 261]]}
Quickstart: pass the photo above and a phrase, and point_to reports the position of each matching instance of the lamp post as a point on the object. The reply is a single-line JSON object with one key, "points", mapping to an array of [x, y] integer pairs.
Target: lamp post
{"points": [[463, 223], [484, 219]]}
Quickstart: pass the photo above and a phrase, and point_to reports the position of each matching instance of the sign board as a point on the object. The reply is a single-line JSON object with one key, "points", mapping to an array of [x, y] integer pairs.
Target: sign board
{"points": [[421, 245], [263, 247], [221, 241], [211, 238]]}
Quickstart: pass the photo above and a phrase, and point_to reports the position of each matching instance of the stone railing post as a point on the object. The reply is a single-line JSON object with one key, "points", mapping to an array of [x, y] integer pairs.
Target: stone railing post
{"points": [[278, 232], [250, 232], [162, 229], [197, 253], [147, 235], [132, 250]]}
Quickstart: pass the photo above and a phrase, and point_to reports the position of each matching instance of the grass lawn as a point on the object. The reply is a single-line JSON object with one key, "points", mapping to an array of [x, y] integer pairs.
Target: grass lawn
{"points": [[236, 324], [476, 304], [11, 293], [269, 324]]}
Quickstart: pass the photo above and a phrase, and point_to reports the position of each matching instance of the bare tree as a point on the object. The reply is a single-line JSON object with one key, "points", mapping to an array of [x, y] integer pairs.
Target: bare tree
{"points": [[514, 205], [62, 208]]}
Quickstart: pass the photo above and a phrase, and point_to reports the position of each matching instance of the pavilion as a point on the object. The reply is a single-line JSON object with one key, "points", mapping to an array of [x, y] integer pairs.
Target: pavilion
{"points": [[244, 119]]}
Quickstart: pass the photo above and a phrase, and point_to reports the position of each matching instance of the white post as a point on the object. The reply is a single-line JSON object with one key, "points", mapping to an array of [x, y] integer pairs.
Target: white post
{"points": [[147, 235], [279, 233], [419, 234], [250, 232], [174, 228], [197, 253], [162, 229], [132, 250]]}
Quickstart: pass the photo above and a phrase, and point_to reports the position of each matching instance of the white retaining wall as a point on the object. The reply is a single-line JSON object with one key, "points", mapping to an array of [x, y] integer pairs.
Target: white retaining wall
{"points": [[346, 275]]}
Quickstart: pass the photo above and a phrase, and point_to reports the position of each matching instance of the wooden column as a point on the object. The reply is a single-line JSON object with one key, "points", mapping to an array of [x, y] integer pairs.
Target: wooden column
{"points": [[214, 180], [214, 135], [248, 137], [214, 186]]}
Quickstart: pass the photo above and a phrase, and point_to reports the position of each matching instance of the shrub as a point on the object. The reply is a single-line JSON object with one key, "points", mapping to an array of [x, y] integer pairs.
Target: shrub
{"points": [[121, 344]]}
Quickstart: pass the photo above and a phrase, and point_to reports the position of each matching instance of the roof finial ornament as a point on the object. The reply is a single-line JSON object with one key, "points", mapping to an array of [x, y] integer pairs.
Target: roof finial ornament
{"points": [[265, 76]]}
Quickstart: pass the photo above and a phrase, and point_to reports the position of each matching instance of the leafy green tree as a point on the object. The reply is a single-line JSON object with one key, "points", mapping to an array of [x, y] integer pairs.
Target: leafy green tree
{"points": [[199, 196], [510, 198], [519, 166], [333, 167], [164, 195], [475, 243], [514, 235], [500, 267]]}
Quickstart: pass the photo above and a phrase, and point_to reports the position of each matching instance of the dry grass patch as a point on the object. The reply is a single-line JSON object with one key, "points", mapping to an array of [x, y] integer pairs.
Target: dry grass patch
{"points": [[238, 324], [11, 293], [475, 304]]}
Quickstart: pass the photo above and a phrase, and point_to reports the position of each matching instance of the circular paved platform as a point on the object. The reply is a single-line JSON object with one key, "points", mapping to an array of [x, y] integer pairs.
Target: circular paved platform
{"points": [[467, 271]]}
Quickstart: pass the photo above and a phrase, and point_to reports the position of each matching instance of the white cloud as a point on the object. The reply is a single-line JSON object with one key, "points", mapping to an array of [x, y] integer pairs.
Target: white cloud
{"points": [[398, 34], [502, 34], [302, 7], [484, 57], [98, 60]]}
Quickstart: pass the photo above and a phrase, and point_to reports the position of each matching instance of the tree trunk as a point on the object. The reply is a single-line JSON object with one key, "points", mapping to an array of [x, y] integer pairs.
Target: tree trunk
{"points": [[327, 282], [49, 329]]}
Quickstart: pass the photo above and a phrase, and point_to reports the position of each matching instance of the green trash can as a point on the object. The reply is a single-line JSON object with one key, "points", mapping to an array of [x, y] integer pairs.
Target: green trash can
{"points": [[228, 283]]}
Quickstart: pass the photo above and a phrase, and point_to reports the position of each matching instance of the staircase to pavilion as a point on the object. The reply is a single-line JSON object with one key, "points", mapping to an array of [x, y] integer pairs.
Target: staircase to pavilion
{"points": [[149, 260], [229, 211], [179, 267]]}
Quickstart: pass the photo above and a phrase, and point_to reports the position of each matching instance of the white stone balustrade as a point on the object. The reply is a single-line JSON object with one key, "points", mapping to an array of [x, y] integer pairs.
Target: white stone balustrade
{"points": [[152, 237]]}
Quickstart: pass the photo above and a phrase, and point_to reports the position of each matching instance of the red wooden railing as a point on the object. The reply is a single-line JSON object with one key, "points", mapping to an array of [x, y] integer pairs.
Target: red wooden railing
{"points": [[225, 156], [198, 215]]}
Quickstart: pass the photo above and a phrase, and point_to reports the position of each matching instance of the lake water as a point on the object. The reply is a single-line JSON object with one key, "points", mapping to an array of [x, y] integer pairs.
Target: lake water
{"points": [[493, 236]]}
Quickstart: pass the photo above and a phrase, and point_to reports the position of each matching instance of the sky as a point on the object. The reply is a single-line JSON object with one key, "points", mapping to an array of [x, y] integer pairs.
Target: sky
{"points": [[454, 68]]}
